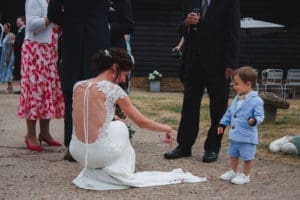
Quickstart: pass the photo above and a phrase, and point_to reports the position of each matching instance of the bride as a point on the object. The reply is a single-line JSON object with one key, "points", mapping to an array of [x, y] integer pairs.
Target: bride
{"points": [[101, 145]]}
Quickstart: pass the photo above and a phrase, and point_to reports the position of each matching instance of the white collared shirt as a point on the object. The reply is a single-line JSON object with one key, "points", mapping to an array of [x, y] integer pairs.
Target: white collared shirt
{"points": [[36, 29], [208, 1], [20, 29], [240, 101]]}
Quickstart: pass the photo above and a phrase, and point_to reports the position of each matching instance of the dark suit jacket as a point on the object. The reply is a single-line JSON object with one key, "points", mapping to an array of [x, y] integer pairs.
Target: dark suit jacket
{"points": [[18, 46], [121, 22], [217, 39], [55, 11], [85, 31]]}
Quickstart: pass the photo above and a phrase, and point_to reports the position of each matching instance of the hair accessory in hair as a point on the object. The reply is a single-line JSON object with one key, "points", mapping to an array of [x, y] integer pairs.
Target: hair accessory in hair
{"points": [[106, 52]]}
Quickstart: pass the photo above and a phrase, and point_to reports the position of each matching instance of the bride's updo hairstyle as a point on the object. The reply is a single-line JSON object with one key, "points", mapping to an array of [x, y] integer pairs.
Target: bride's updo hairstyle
{"points": [[104, 59]]}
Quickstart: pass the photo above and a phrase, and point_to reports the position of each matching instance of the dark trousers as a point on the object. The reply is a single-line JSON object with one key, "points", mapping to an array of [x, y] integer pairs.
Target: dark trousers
{"points": [[68, 123], [17, 71], [197, 79]]}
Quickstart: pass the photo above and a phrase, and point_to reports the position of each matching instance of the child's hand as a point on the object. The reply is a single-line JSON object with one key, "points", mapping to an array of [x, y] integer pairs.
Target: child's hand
{"points": [[251, 121], [220, 130]]}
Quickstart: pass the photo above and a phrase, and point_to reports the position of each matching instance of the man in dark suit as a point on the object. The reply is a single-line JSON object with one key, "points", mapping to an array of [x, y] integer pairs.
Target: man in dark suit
{"points": [[85, 31], [121, 23], [18, 47], [210, 55]]}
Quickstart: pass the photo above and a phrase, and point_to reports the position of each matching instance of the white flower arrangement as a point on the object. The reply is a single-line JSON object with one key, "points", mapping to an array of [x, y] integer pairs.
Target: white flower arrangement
{"points": [[154, 76]]}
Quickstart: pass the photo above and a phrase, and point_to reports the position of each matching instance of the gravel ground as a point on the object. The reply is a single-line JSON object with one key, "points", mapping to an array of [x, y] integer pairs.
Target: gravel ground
{"points": [[28, 175]]}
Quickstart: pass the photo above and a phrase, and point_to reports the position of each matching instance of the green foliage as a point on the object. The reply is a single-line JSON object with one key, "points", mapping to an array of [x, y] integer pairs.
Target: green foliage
{"points": [[121, 115], [131, 131]]}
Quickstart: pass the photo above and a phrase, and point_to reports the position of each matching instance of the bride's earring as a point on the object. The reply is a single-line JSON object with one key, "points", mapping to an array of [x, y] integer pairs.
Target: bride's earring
{"points": [[113, 75]]}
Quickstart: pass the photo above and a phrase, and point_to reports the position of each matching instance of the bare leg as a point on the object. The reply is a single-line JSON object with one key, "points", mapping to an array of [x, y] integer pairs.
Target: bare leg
{"points": [[45, 134], [234, 163], [31, 132], [247, 167], [44, 130]]}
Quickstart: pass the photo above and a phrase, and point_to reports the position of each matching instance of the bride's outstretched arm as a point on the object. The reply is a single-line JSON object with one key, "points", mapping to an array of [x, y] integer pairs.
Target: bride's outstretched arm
{"points": [[143, 122]]}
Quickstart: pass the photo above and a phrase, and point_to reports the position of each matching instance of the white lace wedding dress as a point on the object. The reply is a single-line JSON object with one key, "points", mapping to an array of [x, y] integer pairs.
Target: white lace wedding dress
{"points": [[109, 162]]}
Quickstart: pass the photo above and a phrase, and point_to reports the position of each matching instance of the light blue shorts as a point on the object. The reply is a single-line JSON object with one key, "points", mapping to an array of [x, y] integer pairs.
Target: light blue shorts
{"points": [[241, 150]]}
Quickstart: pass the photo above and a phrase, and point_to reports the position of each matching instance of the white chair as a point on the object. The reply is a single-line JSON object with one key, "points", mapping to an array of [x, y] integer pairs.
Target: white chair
{"points": [[292, 80], [272, 78]]}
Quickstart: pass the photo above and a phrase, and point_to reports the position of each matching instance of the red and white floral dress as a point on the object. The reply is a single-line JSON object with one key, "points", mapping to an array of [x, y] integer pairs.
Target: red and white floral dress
{"points": [[41, 95]]}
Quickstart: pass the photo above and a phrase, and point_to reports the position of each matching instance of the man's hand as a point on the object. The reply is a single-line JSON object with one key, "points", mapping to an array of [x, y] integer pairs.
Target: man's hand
{"points": [[251, 121], [192, 19], [220, 130], [228, 73]]}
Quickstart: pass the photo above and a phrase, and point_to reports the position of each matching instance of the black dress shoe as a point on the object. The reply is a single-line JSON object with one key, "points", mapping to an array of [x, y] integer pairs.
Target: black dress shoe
{"points": [[210, 156], [177, 153], [69, 157]]}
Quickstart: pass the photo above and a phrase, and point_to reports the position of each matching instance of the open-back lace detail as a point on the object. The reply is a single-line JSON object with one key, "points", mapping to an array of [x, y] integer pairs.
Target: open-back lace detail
{"points": [[112, 93]]}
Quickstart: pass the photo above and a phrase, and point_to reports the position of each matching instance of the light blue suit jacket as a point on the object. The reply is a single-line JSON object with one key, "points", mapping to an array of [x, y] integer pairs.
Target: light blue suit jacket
{"points": [[241, 131]]}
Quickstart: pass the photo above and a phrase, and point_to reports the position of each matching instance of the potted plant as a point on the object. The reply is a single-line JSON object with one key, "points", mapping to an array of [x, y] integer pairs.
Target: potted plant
{"points": [[154, 79]]}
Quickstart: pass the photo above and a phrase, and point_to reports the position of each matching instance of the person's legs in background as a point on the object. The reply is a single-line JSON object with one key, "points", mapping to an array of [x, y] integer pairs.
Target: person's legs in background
{"points": [[189, 123], [190, 114], [17, 72], [218, 91], [68, 124]]}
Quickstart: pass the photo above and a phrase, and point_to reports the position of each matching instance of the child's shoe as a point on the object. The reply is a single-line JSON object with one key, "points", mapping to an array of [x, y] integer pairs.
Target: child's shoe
{"points": [[227, 176], [240, 179]]}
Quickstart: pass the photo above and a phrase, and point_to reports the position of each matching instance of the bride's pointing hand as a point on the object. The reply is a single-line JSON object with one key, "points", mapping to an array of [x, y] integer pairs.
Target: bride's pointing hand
{"points": [[169, 139]]}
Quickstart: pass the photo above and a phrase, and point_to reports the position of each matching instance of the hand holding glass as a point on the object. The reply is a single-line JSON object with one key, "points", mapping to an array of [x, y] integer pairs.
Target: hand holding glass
{"points": [[197, 12]]}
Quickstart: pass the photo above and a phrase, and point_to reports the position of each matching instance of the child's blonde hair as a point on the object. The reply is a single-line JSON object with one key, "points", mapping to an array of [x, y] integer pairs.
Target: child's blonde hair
{"points": [[246, 74]]}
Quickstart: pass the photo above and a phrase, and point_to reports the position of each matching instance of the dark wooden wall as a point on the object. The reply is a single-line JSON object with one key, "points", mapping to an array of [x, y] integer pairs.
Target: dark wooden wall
{"points": [[10, 9], [278, 11], [156, 34], [276, 50]]}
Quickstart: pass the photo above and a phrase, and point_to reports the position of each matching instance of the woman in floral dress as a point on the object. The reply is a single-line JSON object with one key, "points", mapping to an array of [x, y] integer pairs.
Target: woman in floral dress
{"points": [[41, 96]]}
